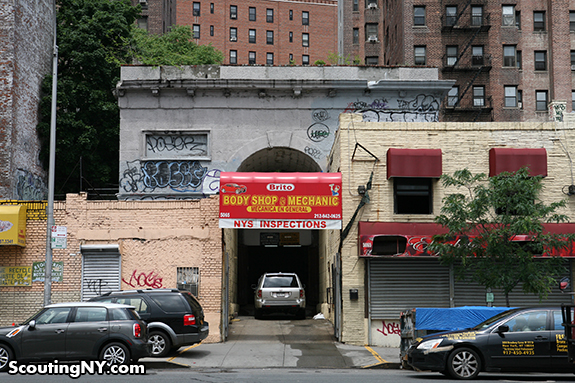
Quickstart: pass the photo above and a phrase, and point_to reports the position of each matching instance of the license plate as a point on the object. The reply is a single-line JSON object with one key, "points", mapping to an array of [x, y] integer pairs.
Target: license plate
{"points": [[280, 295]]}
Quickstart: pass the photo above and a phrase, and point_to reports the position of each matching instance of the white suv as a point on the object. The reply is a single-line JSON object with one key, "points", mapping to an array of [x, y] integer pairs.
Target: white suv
{"points": [[279, 292]]}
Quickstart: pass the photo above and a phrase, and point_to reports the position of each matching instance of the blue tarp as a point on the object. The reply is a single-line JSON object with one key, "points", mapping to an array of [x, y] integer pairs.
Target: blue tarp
{"points": [[456, 318]]}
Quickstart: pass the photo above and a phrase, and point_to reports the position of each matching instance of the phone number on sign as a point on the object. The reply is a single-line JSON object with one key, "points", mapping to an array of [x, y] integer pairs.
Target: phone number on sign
{"points": [[327, 216]]}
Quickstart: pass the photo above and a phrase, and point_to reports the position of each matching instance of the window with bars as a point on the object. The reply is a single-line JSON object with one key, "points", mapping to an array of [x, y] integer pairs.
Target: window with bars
{"points": [[188, 278]]}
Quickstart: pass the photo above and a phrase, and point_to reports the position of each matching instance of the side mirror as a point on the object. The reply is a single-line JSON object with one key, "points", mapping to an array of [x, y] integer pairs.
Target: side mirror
{"points": [[32, 325], [503, 328]]}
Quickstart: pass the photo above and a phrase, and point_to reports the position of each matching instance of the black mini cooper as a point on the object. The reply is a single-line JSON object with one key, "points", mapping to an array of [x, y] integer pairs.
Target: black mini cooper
{"points": [[517, 340]]}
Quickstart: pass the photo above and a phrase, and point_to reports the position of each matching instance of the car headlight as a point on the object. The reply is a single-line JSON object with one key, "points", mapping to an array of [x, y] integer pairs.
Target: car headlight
{"points": [[429, 344]]}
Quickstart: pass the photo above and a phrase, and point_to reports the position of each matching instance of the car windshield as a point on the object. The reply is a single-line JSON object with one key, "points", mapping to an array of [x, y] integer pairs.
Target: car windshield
{"points": [[493, 319], [280, 281]]}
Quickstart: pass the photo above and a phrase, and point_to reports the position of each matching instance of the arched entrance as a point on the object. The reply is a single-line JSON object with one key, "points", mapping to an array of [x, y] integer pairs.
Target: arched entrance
{"points": [[274, 250]]}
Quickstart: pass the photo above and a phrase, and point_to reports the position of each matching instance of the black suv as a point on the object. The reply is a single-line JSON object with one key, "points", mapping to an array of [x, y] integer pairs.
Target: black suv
{"points": [[175, 318]]}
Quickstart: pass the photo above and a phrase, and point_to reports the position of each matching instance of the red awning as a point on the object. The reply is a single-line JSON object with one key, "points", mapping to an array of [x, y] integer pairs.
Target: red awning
{"points": [[423, 163], [511, 160]]}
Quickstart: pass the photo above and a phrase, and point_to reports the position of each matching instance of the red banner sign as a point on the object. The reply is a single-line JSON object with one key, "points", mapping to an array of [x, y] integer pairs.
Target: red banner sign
{"points": [[280, 200]]}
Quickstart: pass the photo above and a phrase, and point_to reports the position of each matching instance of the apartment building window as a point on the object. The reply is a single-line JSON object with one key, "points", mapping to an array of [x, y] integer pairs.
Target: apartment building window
{"points": [[270, 37], [453, 96], [356, 35], [477, 55], [572, 21], [233, 57], [251, 57], [270, 15], [371, 4], [252, 36], [305, 60], [233, 34], [211, 30], [518, 59], [269, 58], [418, 16], [143, 23], [477, 15], [541, 100], [573, 100], [451, 53], [371, 60], [212, 8], [355, 6], [233, 12], [252, 13], [305, 39], [188, 278], [371, 32], [508, 15], [510, 96], [509, 56], [450, 15], [290, 14], [291, 58], [420, 55], [479, 96], [291, 37], [540, 60], [412, 195], [538, 21], [573, 60], [196, 9], [305, 18], [196, 31]]}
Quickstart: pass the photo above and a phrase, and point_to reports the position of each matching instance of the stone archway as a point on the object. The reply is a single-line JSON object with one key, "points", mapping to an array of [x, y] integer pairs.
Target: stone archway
{"points": [[279, 159]]}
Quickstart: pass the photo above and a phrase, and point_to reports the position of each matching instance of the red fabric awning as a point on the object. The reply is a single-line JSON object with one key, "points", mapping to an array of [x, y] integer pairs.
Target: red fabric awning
{"points": [[511, 160], [423, 163]]}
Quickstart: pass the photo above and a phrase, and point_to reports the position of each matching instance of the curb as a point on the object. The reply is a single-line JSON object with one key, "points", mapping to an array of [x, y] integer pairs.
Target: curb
{"points": [[383, 365], [162, 364]]}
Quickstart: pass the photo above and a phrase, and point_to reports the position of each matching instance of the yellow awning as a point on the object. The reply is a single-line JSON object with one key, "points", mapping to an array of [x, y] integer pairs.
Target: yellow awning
{"points": [[13, 225]]}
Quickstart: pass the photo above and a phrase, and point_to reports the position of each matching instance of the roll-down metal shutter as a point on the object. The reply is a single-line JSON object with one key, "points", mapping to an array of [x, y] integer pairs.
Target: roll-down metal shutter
{"points": [[101, 270], [469, 293], [399, 284]]}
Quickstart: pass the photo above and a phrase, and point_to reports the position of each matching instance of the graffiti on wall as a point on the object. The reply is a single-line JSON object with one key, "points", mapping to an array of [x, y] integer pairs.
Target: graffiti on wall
{"points": [[96, 286], [142, 279], [177, 176], [389, 328], [29, 186], [422, 108], [181, 144]]}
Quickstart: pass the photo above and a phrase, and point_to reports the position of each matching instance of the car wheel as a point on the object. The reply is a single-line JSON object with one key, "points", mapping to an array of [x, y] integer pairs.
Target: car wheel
{"points": [[115, 353], [6, 356], [161, 343], [463, 363]]}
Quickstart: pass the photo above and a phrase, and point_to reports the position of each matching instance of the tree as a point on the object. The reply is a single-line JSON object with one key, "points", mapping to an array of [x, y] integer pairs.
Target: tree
{"points": [[484, 226], [95, 37]]}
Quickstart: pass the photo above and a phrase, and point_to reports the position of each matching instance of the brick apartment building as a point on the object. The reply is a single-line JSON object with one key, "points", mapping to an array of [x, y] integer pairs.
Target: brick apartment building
{"points": [[262, 32], [512, 61]]}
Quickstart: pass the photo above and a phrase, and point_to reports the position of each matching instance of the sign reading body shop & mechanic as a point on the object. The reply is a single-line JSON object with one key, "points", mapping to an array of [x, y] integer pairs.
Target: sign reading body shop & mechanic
{"points": [[280, 200]]}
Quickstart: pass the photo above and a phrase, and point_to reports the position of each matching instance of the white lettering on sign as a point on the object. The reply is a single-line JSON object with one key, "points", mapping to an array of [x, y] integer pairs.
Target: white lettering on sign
{"points": [[280, 187]]}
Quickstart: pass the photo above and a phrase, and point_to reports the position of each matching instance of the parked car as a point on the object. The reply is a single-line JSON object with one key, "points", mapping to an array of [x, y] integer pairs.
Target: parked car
{"points": [[279, 292], [175, 318], [517, 340], [77, 331], [233, 188]]}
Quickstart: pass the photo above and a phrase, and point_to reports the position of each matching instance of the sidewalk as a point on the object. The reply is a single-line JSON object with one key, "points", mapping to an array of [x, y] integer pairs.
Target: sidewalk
{"points": [[276, 344]]}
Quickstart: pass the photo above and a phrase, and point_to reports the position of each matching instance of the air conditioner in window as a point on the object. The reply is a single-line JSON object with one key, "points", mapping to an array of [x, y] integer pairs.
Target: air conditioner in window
{"points": [[372, 39], [143, 1], [572, 67], [233, 16], [233, 38], [520, 104], [372, 6]]}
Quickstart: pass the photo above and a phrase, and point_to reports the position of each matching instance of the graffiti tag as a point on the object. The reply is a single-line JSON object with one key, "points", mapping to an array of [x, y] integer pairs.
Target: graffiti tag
{"points": [[150, 279], [389, 329]]}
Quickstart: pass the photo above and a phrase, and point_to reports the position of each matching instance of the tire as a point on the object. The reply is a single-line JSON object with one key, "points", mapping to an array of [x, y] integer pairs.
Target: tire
{"points": [[6, 356], [115, 353], [161, 343], [463, 363]]}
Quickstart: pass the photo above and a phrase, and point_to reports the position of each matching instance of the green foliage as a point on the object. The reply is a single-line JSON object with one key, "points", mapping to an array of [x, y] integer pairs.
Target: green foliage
{"points": [[96, 37], [319, 62], [174, 48], [337, 59], [486, 217], [91, 37]]}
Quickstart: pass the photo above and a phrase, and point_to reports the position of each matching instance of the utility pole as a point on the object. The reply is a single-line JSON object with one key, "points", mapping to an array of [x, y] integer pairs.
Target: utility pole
{"points": [[51, 171]]}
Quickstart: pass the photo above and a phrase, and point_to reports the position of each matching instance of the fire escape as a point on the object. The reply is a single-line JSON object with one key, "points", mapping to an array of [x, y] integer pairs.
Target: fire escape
{"points": [[464, 32]]}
